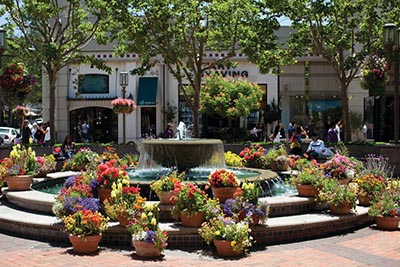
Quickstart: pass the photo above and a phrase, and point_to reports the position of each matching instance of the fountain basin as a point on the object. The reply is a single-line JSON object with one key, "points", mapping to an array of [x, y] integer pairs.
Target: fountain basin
{"points": [[183, 154]]}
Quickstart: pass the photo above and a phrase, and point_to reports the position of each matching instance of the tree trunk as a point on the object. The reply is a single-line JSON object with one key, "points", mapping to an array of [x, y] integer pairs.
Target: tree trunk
{"points": [[196, 107], [346, 115], [52, 107]]}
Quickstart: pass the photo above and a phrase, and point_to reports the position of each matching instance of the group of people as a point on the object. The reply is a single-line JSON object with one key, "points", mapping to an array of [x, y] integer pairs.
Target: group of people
{"points": [[35, 133], [296, 133]]}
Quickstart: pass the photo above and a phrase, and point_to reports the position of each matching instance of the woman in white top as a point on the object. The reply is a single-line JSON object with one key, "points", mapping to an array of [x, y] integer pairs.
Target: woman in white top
{"points": [[47, 135]]}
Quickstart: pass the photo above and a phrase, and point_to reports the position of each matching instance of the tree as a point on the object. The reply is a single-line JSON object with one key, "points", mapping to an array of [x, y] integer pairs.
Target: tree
{"points": [[343, 32], [53, 33], [228, 97], [183, 33]]}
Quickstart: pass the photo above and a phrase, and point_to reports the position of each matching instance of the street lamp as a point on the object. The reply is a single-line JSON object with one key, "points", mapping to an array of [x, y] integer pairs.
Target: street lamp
{"points": [[2, 40], [123, 81], [391, 40]]}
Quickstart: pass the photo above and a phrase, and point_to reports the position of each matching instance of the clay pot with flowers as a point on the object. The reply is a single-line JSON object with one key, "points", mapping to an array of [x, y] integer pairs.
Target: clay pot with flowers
{"points": [[231, 238], [386, 208], [308, 181], [164, 186], [76, 194], [109, 173], [85, 228], [21, 165], [147, 237], [124, 203], [341, 198], [190, 204], [223, 184]]}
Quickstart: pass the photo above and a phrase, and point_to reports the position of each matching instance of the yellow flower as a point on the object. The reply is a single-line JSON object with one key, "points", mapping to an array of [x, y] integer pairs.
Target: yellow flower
{"points": [[217, 233], [144, 216], [153, 221]]}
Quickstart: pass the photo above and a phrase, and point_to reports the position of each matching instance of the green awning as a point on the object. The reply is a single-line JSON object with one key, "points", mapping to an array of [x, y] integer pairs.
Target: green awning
{"points": [[147, 91]]}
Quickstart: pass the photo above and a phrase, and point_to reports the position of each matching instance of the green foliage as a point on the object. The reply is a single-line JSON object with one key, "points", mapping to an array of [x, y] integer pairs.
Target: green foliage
{"points": [[308, 176], [342, 32], [182, 31], [228, 97], [221, 228], [337, 194], [53, 34]]}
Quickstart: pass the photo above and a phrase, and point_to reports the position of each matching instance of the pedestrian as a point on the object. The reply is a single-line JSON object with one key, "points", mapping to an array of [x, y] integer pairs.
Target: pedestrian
{"points": [[68, 147], [332, 136], [47, 134], [337, 129], [254, 134], [295, 146], [279, 133], [169, 133], [85, 132], [26, 133]]}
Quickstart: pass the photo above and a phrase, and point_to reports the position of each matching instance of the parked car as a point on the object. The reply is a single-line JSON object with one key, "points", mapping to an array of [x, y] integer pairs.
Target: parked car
{"points": [[8, 134]]}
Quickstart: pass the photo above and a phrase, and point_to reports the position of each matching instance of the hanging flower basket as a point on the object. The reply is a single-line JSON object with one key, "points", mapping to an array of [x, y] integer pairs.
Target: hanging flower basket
{"points": [[20, 111], [124, 106]]}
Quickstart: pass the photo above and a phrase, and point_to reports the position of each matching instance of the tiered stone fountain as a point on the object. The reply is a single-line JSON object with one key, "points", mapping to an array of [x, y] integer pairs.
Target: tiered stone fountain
{"points": [[292, 218]]}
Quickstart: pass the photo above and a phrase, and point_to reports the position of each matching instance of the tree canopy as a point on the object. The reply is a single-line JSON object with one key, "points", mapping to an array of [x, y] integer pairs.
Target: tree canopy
{"points": [[53, 33], [181, 34], [342, 32]]}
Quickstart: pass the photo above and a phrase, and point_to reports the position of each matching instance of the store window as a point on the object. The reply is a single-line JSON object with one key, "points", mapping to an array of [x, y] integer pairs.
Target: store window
{"points": [[102, 122], [93, 84]]}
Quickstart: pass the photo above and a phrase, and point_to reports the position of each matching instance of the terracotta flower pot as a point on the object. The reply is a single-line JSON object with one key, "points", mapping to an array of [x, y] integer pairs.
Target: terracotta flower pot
{"points": [[103, 193], [85, 244], [123, 220], [165, 197], [364, 201], [387, 222], [340, 210], [223, 193], [144, 249], [225, 249], [192, 220], [306, 190], [19, 182]]}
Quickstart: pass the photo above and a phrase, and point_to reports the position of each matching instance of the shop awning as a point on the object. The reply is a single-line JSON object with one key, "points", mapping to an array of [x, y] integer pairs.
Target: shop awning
{"points": [[147, 91]]}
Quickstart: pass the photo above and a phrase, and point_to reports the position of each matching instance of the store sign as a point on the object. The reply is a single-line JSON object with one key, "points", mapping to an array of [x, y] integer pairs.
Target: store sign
{"points": [[228, 72]]}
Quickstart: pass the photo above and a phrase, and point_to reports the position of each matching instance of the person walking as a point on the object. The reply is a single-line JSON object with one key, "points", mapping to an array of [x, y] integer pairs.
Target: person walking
{"points": [[26, 133], [47, 134], [85, 132]]}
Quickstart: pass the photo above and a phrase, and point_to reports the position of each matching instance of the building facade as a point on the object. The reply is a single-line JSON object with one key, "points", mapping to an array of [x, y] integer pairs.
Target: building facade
{"points": [[307, 92]]}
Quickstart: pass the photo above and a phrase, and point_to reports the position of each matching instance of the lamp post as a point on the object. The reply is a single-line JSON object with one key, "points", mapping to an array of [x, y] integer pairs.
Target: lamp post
{"points": [[123, 81], [3, 37], [391, 40]]}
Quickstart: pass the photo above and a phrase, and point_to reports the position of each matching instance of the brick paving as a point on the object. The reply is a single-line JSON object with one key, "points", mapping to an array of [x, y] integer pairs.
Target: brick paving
{"points": [[363, 247]]}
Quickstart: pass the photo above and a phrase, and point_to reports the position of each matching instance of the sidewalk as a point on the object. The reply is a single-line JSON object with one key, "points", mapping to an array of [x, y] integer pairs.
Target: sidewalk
{"points": [[364, 247]]}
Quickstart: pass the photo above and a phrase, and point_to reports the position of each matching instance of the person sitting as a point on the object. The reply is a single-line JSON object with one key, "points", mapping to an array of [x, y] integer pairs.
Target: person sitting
{"points": [[68, 147], [317, 149], [295, 146]]}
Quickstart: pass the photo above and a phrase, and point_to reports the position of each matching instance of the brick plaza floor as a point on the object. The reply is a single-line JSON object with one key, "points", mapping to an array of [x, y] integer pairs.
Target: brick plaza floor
{"points": [[363, 247]]}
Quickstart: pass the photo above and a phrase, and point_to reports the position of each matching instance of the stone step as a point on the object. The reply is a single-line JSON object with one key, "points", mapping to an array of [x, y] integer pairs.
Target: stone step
{"points": [[279, 206], [45, 227]]}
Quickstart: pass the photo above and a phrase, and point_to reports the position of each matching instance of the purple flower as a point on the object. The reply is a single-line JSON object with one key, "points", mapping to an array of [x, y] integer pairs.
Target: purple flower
{"points": [[150, 237], [73, 204], [69, 181], [94, 184]]}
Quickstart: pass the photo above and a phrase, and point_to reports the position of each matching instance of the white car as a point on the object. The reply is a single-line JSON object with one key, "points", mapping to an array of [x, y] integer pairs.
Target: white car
{"points": [[8, 135]]}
